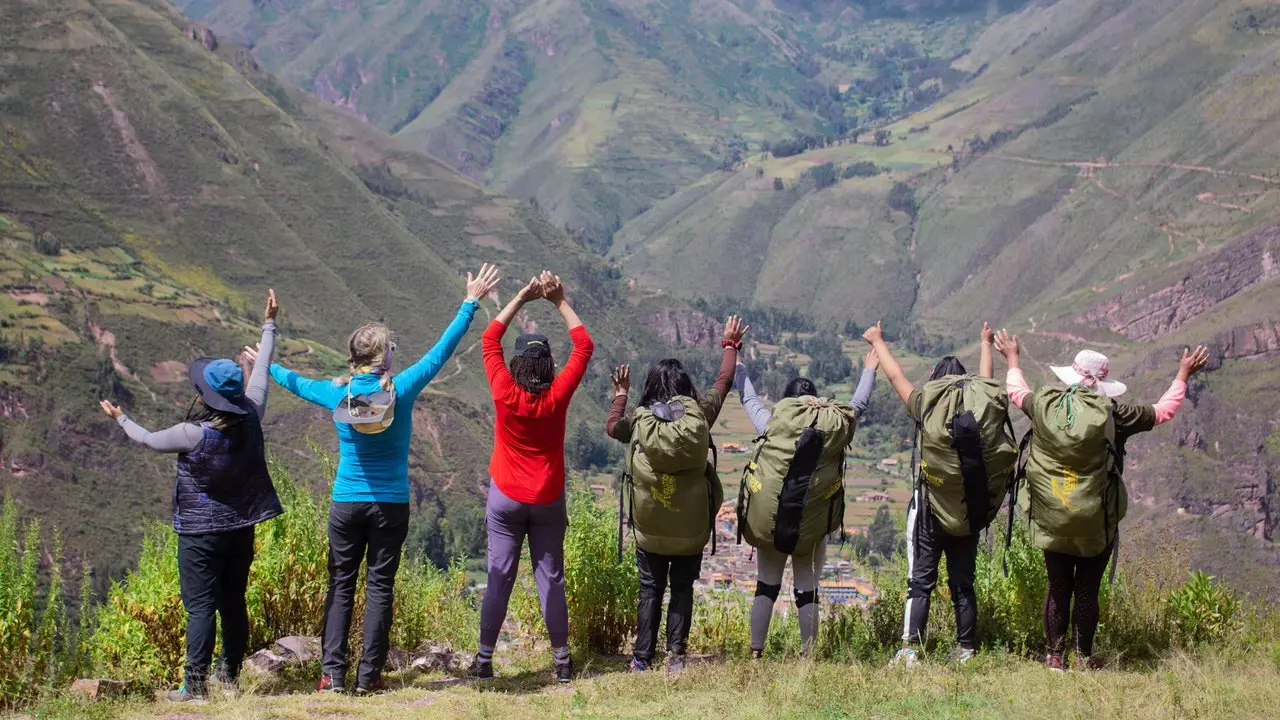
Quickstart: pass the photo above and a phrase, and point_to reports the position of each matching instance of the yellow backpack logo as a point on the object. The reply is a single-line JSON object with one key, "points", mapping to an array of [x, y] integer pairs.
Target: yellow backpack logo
{"points": [[1064, 486], [665, 490]]}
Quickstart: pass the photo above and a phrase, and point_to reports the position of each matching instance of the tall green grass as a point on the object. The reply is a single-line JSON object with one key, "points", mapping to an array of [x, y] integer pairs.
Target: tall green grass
{"points": [[40, 645], [141, 630]]}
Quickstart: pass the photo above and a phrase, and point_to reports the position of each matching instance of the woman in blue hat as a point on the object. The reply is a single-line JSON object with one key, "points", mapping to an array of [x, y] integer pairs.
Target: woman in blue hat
{"points": [[222, 491], [369, 517]]}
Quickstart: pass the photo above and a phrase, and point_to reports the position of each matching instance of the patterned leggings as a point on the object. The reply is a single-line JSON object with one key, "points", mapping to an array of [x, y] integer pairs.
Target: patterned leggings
{"points": [[1082, 577]]}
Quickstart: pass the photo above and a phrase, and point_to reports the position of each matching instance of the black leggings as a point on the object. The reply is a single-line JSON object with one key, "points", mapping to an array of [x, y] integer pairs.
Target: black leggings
{"points": [[213, 573], [655, 572], [1082, 577]]}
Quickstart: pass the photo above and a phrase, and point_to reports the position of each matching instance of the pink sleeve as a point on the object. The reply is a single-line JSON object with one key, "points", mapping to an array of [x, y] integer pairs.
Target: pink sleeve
{"points": [[1169, 403], [1016, 384]]}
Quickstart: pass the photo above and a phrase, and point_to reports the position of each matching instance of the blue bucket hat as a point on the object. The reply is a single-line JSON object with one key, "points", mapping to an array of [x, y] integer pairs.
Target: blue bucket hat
{"points": [[220, 383]]}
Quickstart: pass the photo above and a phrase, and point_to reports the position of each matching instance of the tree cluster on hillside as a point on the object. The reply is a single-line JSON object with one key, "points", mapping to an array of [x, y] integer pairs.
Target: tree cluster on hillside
{"points": [[902, 197], [862, 168], [823, 175], [828, 362]]}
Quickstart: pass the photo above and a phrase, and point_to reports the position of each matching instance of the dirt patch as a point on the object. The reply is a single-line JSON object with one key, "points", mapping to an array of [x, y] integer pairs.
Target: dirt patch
{"points": [[35, 298], [192, 316], [54, 282], [169, 371], [492, 241], [142, 161]]}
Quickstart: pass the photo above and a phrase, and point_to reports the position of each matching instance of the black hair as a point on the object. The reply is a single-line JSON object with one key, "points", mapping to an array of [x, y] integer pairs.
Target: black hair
{"points": [[949, 365], [533, 374], [799, 387], [666, 379], [200, 414]]}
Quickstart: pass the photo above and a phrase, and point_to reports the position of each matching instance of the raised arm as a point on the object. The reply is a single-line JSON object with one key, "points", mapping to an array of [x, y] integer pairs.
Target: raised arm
{"points": [[416, 376], [320, 392], [568, 379], [618, 425], [260, 358], [181, 438], [713, 401], [986, 366], [866, 382], [892, 370], [1015, 382], [1192, 362], [756, 411]]}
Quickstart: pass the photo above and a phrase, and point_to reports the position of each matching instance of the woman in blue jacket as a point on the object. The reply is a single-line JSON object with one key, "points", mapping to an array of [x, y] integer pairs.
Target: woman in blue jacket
{"points": [[373, 413], [222, 491]]}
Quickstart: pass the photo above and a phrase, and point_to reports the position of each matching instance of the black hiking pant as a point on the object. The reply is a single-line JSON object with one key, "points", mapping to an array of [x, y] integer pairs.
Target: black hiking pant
{"points": [[213, 573], [359, 531], [927, 542], [656, 571], [1079, 577]]}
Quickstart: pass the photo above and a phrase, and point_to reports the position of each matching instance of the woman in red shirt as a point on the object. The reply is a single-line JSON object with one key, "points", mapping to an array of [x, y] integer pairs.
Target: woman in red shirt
{"points": [[526, 493]]}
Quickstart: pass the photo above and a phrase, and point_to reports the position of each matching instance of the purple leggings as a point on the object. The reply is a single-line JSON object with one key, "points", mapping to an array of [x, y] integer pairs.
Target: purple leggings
{"points": [[508, 522]]}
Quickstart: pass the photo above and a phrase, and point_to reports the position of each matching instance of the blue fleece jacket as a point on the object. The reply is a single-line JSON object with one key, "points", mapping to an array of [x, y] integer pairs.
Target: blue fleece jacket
{"points": [[375, 468]]}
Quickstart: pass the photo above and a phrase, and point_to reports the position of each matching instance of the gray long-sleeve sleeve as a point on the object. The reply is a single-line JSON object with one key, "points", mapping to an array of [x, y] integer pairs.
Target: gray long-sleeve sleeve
{"points": [[756, 411], [862, 394], [260, 378], [181, 438]]}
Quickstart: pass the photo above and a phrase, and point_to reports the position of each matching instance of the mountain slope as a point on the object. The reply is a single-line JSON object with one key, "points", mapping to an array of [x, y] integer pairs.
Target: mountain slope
{"points": [[600, 108], [1108, 179], [151, 189]]}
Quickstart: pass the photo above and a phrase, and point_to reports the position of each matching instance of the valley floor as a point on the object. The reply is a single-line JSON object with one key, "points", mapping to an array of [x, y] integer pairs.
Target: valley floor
{"points": [[1245, 686]]}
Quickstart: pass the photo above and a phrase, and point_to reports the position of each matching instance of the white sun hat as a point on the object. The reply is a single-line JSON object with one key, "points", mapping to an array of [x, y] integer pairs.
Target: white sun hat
{"points": [[1091, 369]]}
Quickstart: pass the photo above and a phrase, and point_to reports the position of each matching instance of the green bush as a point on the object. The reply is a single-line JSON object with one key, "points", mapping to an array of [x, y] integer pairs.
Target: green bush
{"points": [[141, 632], [1203, 610], [39, 646]]}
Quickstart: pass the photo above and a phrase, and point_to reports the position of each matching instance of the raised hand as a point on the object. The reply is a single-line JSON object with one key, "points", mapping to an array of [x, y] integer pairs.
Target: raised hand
{"points": [[621, 380], [483, 283], [871, 360], [552, 288], [735, 329], [532, 291], [988, 335], [1008, 345], [112, 410], [874, 334], [251, 353], [273, 308], [1193, 361]]}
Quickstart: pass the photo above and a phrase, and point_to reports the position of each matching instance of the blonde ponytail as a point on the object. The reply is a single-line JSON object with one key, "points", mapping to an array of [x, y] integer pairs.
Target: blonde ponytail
{"points": [[367, 352]]}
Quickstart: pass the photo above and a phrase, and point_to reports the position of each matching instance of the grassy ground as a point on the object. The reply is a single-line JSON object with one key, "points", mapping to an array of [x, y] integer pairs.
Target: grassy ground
{"points": [[997, 687]]}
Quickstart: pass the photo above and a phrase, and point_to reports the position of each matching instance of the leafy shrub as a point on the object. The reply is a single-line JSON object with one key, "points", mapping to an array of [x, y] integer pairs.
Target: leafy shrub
{"points": [[141, 632], [1203, 610], [39, 646], [778, 184], [823, 175], [862, 168], [601, 589]]}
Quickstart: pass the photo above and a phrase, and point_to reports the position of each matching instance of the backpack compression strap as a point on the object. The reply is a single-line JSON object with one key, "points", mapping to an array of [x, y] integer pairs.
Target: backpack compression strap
{"points": [[1018, 477], [712, 508], [743, 500]]}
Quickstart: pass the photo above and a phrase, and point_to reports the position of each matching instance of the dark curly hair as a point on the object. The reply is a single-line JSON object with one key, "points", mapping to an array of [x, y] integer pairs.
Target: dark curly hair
{"points": [[949, 365], [533, 374]]}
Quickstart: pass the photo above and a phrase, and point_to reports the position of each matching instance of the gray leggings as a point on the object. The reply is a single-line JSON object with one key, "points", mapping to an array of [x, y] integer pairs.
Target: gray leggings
{"points": [[509, 522], [807, 571]]}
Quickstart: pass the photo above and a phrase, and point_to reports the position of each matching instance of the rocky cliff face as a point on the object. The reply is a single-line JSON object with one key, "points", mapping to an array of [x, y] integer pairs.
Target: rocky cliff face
{"points": [[686, 328], [1148, 311]]}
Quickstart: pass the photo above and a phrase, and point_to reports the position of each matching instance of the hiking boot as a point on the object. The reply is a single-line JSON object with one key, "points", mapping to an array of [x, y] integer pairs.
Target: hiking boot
{"points": [[1054, 663], [757, 654], [186, 693], [675, 664], [961, 655], [906, 658], [378, 686], [481, 669], [1085, 663], [329, 684], [564, 672], [637, 665]]}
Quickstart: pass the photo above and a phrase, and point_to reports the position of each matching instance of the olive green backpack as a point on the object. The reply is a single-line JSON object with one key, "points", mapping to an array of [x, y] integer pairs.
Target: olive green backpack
{"points": [[792, 492], [1075, 495], [967, 451], [670, 486]]}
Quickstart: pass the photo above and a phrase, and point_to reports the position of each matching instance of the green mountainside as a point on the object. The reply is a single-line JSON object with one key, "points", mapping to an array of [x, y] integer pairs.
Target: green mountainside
{"points": [[1109, 179], [152, 189], [600, 108]]}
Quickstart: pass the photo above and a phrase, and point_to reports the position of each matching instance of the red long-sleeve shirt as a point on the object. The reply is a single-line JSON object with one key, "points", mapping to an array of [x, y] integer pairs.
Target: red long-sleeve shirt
{"points": [[528, 436]]}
